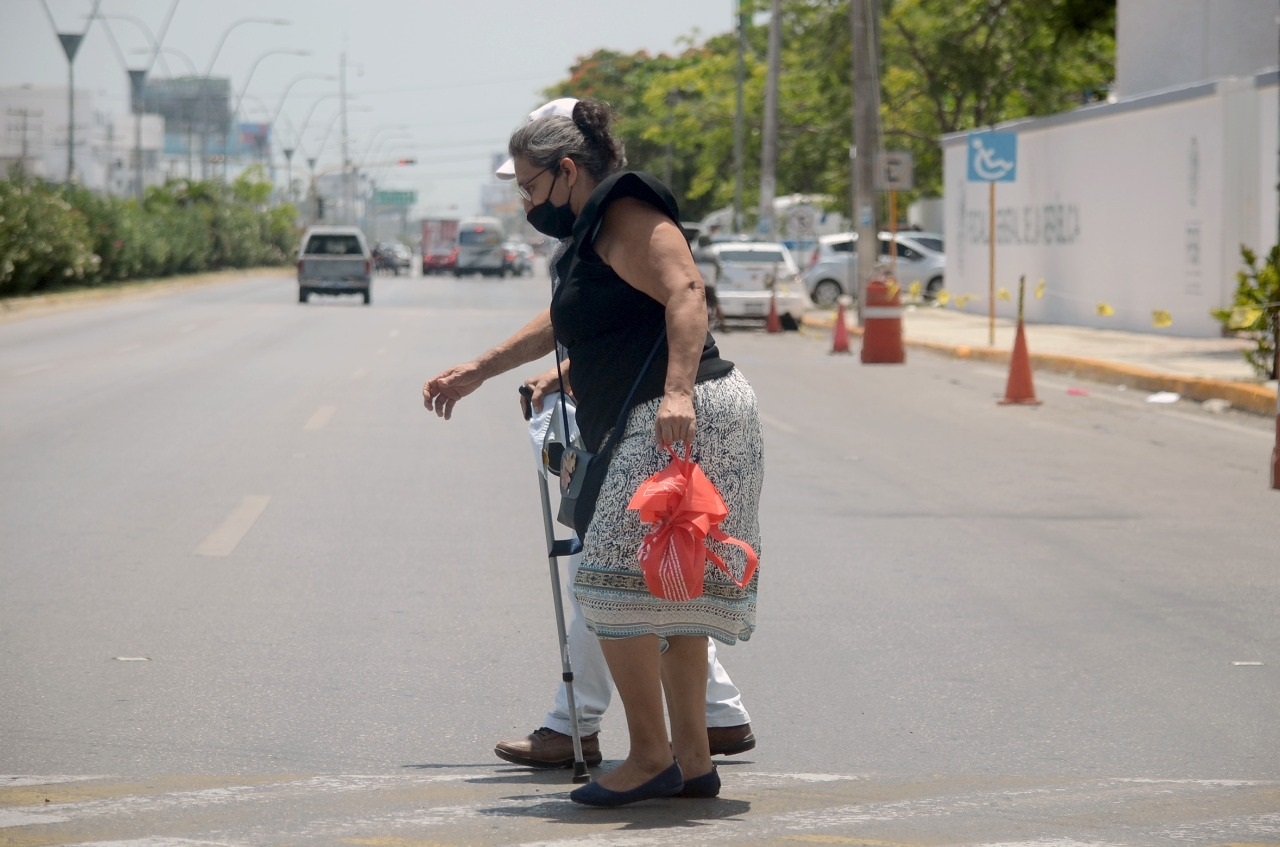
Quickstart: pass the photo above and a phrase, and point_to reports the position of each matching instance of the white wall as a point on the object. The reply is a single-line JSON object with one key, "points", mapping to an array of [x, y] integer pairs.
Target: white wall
{"points": [[1168, 43], [1141, 205]]}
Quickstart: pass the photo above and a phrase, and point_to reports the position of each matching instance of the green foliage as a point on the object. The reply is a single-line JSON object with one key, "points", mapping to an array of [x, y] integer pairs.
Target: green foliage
{"points": [[57, 236], [1255, 310], [947, 66], [44, 241]]}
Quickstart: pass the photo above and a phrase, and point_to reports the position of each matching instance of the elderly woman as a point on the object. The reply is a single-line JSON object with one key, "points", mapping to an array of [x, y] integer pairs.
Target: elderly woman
{"points": [[628, 275]]}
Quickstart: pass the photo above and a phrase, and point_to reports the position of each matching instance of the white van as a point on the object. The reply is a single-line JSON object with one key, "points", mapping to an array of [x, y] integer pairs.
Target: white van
{"points": [[480, 247]]}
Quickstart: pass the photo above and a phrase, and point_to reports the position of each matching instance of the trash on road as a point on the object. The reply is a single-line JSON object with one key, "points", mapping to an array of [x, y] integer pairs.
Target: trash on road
{"points": [[1216, 405], [1164, 397]]}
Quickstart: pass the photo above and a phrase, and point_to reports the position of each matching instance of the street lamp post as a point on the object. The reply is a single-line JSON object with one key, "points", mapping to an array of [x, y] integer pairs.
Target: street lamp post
{"points": [[240, 99], [70, 42], [288, 151], [188, 111], [204, 84]]}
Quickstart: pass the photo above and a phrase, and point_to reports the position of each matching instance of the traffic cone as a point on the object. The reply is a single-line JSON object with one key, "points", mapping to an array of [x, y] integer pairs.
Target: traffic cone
{"points": [[1019, 390], [840, 340], [774, 324]]}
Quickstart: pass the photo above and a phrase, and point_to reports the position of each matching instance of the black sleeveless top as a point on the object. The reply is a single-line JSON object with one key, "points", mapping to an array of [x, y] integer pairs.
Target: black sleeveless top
{"points": [[608, 326]]}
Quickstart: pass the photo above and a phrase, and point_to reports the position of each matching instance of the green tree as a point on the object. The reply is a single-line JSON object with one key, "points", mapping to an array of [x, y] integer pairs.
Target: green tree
{"points": [[947, 66]]}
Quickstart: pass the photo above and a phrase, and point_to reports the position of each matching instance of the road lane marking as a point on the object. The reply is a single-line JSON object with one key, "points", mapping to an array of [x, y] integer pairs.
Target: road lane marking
{"points": [[805, 808], [320, 418], [224, 540]]}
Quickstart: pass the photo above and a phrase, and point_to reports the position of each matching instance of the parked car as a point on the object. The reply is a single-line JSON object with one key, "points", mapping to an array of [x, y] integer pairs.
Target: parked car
{"points": [[920, 259], [751, 273], [480, 247], [518, 258], [334, 260]]}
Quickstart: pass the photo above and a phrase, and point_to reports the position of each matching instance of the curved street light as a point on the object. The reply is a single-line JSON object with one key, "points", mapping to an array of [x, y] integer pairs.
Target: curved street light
{"points": [[191, 66], [204, 82], [236, 109]]}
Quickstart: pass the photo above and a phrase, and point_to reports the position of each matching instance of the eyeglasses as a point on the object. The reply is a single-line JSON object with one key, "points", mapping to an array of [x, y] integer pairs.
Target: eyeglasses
{"points": [[522, 188]]}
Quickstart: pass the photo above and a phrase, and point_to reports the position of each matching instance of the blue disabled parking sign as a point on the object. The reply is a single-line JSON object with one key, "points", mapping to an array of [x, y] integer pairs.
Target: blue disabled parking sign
{"points": [[993, 157]]}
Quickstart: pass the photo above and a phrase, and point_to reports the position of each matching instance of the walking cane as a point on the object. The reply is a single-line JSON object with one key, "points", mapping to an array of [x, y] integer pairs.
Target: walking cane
{"points": [[555, 549]]}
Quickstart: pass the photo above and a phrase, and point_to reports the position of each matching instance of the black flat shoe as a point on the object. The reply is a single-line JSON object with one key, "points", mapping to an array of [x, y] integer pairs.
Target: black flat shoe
{"points": [[705, 786], [665, 784]]}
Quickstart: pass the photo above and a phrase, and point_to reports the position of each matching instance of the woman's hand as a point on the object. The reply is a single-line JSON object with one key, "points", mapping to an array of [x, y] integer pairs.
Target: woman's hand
{"points": [[443, 391], [543, 384], [676, 420]]}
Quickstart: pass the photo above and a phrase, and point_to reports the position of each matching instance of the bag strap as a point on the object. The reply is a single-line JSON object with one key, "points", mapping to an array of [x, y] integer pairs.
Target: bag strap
{"points": [[626, 404]]}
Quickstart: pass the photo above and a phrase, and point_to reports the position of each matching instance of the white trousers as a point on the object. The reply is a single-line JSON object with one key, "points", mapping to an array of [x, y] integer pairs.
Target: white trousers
{"points": [[592, 685]]}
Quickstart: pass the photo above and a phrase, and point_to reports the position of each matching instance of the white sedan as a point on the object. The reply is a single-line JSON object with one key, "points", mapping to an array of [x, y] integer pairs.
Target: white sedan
{"points": [[752, 273]]}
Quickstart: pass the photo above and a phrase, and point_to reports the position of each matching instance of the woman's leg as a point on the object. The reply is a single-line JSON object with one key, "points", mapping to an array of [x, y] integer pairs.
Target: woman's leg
{"points": [[636, 666], [684, 678]]}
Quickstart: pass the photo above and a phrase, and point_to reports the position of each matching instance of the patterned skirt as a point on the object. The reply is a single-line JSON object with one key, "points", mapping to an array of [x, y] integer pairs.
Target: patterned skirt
{"points": [[729, 448]]}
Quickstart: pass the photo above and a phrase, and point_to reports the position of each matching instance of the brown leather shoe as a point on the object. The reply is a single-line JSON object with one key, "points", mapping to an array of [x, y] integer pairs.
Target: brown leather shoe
{"points": [[546, 748], [730, 740]]}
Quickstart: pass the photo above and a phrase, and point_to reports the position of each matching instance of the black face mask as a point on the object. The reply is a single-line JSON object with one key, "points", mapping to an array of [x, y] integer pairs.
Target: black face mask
{"points": [[551, 220]]}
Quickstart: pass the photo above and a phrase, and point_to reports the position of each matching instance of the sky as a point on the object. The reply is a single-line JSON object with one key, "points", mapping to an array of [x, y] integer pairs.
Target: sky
{"points": [[442, 82]]}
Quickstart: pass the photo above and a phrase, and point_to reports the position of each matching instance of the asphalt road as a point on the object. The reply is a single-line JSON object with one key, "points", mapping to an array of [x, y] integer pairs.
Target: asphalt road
{"points": [[253, 594]]}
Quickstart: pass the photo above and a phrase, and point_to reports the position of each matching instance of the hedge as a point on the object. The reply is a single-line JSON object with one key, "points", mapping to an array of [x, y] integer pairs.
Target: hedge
{"points": [[64, 236]]}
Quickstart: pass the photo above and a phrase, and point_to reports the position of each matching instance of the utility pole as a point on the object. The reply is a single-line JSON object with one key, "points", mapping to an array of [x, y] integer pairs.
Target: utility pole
{"points": [[866, 131], [348, 200], [769, 141], [739, 119], [24, 146], [137, 84]]}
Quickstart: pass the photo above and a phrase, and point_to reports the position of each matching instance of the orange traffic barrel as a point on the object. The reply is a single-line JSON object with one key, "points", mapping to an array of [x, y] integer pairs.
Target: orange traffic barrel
{"points": [[882, 325]]}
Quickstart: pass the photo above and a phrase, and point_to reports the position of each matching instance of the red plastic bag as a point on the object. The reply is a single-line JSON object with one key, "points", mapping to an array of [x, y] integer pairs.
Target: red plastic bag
{"points": [[686, 509]]}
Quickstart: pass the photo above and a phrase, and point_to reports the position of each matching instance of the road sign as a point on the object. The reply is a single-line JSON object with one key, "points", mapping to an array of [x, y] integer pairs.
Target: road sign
{"points": [[395, 198], [894, 170], [993, 157]]}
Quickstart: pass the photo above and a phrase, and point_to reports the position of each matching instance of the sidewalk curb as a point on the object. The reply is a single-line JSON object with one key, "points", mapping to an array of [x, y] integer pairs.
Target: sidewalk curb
{"points": [[1247, 397], [16, 308]]}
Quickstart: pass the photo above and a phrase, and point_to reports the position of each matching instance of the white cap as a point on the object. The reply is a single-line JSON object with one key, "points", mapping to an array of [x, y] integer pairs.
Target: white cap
{"points": [[563, 107]]}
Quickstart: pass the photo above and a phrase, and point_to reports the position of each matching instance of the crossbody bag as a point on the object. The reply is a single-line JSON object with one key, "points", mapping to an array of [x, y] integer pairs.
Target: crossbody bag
{"points": [[582, 471]]}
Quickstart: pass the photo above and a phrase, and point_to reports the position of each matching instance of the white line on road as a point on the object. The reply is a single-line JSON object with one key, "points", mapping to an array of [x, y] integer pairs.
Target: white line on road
{"points": [[320, 418], [224, 540]]}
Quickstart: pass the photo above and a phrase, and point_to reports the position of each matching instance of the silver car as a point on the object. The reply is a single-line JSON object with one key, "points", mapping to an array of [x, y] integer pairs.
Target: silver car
{"points": [[920, 259], [754, 272]]}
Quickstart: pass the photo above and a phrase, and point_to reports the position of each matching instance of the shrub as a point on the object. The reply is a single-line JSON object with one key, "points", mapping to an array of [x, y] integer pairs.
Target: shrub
{"points": [[1255, 311], [59, 236]]}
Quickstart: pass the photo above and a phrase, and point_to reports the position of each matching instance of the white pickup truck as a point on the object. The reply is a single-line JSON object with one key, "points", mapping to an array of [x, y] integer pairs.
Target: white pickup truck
{"points": [[334, 260]]}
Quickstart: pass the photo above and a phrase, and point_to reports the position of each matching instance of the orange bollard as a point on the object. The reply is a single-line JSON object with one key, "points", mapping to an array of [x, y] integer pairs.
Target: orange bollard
{"points": [[882, 325], [1019, 390], [840, 339], [773, 324]]}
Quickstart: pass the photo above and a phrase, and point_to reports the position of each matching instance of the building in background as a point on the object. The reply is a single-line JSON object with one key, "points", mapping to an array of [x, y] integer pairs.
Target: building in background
{"points": [[107, 145], [1133, 212]]}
